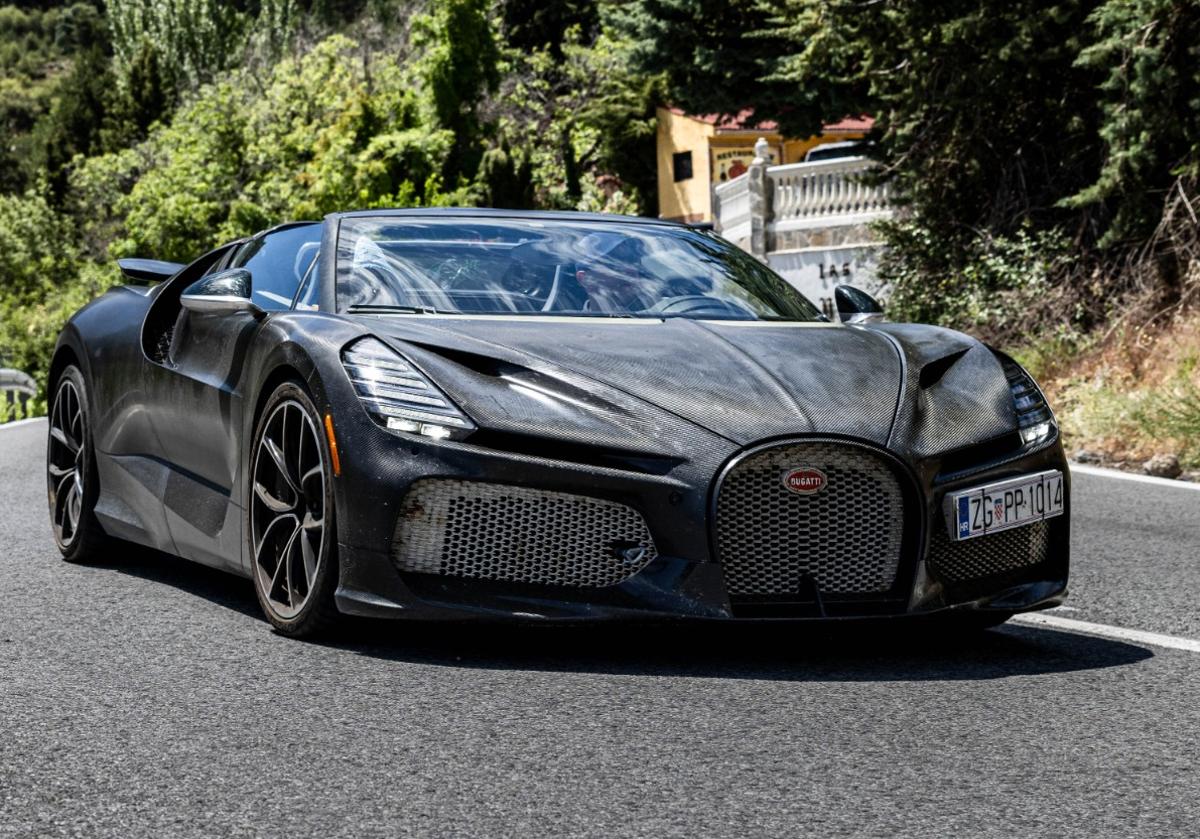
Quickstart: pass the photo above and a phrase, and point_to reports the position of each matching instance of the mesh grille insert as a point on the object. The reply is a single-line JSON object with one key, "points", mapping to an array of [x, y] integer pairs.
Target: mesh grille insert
{"points": [[514, 534], [986, 556], [847, 537]]}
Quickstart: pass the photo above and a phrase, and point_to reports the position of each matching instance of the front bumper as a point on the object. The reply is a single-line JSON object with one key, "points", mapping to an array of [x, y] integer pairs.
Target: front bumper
{"points": [[684, 581]]}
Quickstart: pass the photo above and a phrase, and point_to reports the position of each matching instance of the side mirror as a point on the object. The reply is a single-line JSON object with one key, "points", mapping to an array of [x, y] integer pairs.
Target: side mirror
{"points": [[223, 293], [856, 306]]}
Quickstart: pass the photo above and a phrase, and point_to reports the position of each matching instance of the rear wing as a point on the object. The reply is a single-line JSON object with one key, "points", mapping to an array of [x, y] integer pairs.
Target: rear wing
{"points": [[146, 271]]}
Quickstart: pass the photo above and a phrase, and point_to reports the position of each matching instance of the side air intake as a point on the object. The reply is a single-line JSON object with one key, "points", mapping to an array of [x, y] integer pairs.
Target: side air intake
{"points": [[515, 534]]}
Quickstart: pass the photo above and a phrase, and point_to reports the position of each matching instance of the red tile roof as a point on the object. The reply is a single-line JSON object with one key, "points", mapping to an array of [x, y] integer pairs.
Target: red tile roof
{"points": [[741, 121]]}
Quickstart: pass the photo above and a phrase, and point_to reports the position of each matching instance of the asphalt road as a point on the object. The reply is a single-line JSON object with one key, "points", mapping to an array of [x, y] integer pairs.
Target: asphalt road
{"points": [[146, 697]]}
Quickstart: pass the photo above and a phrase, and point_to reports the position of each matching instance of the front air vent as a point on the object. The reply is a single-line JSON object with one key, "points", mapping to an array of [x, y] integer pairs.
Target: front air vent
{"points": [[933, 372], [972, 567], [484, 531]]}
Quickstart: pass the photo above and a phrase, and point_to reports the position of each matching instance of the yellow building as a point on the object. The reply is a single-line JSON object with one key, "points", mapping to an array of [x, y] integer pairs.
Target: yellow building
{"points": [[695, 153]]}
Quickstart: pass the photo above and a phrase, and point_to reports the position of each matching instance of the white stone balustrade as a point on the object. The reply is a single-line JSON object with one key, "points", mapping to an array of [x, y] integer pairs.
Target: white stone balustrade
{"points": [[825, 192], [733, 198], [770, 207], [811, 222]]}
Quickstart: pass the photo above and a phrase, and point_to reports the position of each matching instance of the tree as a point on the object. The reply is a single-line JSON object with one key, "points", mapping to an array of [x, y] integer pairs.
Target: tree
{"points": [[530, 25], [580, 113], [458, 65], [149, 94], [506, 179], [1147, 56], [73, 125], [717, 56]]}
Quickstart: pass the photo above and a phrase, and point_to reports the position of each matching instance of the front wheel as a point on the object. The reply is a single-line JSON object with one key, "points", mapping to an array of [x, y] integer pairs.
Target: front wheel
{"points": [[291, 512]]}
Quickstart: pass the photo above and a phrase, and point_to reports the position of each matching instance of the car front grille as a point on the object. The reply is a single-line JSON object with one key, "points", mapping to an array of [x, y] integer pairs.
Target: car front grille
{"points": [[515, 534], [846, 539], [986, 558]]}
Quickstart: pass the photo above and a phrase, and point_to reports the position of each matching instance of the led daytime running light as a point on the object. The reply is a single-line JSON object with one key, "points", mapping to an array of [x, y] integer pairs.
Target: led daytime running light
{"points": [[400, 397], [1035, 420]]}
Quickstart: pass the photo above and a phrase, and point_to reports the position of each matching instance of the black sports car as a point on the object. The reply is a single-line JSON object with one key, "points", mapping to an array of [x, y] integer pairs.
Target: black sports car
{"points": [[548, 416]]}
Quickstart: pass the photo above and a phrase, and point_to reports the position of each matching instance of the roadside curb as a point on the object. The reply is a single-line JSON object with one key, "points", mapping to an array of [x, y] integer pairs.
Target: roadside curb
{"points": [[19, 423]]}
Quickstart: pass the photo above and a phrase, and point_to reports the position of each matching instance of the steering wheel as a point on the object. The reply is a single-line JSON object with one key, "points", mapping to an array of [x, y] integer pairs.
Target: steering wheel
{"points": [[696, 305]]}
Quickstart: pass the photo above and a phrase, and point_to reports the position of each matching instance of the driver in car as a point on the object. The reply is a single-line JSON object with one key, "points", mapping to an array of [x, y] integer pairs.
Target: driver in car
{"points": [[609, 270]]}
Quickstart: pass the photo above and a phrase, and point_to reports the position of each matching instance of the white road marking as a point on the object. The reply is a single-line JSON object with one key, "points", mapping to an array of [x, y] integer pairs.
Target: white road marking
{"points": [[1137, 636], [19, 423], [1080, 469]]}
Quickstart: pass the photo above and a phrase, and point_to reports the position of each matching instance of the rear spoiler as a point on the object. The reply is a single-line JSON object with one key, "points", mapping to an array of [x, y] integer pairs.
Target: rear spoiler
{"points": [[145, 271]]}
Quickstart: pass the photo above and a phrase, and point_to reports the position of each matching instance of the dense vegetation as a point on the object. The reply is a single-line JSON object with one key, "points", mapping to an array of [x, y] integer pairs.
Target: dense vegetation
{"points": [[1035, 143], [1048, 153], [162, 128]]}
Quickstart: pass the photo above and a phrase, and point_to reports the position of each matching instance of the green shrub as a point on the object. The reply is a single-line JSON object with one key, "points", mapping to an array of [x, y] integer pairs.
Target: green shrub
{"points": [[30, 323], [1173, 413], [1003, 287]]}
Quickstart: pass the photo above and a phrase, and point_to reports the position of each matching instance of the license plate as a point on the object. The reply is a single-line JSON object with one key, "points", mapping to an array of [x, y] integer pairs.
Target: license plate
{"points": [[1005, 504]]}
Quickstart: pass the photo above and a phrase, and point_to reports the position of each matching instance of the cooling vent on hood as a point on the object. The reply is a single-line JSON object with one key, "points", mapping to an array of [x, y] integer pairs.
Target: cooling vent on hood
{"points": [[933, 372]]}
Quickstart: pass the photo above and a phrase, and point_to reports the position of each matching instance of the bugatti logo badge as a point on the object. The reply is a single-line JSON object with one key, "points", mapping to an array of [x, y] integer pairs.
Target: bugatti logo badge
{"points": [[805, 480]]}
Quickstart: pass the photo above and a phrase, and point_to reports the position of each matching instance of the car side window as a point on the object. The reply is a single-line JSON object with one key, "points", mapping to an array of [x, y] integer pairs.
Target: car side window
{"points": [[277, 262], [306, 297]]}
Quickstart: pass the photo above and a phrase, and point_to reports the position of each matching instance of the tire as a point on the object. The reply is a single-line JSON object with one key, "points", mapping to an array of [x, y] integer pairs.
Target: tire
{"points": [[290, 517], [72, 479]]}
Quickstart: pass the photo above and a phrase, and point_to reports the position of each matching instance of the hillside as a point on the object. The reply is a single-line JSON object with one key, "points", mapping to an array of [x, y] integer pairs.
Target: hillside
{"points": [[1133, 397], [1046, 159]]}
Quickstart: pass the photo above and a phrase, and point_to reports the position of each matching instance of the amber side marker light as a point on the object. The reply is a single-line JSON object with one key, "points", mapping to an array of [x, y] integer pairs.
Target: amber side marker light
{"points": [[333, 449]]}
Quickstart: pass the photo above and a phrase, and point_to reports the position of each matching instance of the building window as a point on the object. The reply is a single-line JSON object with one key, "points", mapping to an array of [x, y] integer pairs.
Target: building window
{"points": [[682, 162]]}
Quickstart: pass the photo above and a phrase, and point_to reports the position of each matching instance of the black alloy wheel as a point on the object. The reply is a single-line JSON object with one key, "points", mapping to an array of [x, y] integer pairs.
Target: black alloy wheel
{"points": [[291, 516], [72, 485]]}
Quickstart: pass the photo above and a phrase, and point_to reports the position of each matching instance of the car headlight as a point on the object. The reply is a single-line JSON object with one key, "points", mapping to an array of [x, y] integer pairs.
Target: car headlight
{"points": [[1034, 417], [400, 397]]}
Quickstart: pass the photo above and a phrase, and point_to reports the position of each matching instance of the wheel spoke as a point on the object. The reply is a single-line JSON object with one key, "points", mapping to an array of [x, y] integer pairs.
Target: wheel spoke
{"points": [[300, 440], [275, 544], [276, 454], [275, 505], [59, 471], [59, 500], [288, 559], [310, 560], [74, 505], [61, 437], [312, 525]]}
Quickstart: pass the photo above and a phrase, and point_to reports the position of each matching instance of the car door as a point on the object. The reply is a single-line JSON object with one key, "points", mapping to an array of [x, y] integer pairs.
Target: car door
{"points": [[200, 409]]}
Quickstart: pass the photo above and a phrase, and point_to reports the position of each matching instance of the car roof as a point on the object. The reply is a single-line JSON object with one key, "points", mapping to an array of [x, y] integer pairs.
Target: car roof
{"points": [[486, 213]]}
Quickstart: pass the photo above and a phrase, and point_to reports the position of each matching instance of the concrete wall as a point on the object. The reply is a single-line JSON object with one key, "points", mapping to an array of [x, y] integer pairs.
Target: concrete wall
{"points": [[683, 200], [816, 272]]}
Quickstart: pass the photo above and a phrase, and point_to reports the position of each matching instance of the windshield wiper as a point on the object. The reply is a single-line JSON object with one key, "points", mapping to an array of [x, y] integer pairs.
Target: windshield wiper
{"points": [[373, 308]]}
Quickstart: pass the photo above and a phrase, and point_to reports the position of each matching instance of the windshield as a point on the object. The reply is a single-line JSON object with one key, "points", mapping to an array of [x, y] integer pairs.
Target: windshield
{"points": [[551, 267]]}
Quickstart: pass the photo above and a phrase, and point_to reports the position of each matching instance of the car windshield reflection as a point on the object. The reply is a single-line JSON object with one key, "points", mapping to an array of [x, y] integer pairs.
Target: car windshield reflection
{"points": [[543, 267]]}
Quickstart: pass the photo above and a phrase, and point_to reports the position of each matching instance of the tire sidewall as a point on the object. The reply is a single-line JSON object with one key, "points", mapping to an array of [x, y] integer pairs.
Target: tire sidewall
{"points": [[319, 603]]}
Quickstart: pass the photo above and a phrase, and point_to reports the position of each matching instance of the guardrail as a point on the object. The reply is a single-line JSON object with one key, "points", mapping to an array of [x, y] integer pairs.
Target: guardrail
{"points": [[766, 208], [16, 389]]}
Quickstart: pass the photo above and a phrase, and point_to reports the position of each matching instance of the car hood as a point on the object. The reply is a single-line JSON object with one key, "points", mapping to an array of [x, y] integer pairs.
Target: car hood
{"points": [[743, 380]]}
